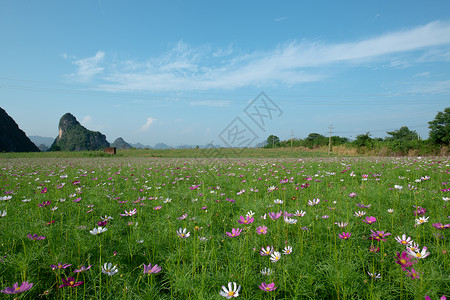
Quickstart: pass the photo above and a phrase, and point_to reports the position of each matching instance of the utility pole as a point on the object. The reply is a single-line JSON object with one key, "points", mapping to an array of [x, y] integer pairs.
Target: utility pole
{"points": [[329, 141]]}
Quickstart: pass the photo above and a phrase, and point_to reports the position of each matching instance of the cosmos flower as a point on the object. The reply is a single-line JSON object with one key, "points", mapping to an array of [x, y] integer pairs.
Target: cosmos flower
{"points": [[403, 240], [419, 254], [412, 273], [70, 282], [234, 232], [266, 272], [231, 292], [374, 275], [261, 229], [182, 233], [266, 251], [129, 213], [267, 287], [275, 215], [421, 220], [250, 214], [278, 201], [359, 214], [35, 237], [290, 220], [246, 220], [98, 230], [16, 289], [440, 226], [404, 260], [287, 250], [370, 220], [59, 266], [275, 256], [109, 269], [345, 235], [341, 224], [313, 202], [2, 213], [82, 269], [151, 270], [300, 213], [184, 216]]}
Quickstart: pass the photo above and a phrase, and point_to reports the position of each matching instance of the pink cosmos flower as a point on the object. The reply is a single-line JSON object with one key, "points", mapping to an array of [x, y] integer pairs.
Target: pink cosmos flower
{"points": [[440, 225], [35, 237], [234, 232], [82, 269], [370, 220], [70, 282], [151, 270], [261, 229], [59, 266], [412, 273], [274, 215], [345, 235], [268, 287], [404, 260], [16, 289], [246, 220]]}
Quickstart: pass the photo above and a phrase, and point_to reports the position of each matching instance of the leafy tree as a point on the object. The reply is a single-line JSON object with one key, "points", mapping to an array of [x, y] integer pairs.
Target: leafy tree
{"points": [[272, 141], [363, 140], [402, 135], [440, 128], [315, 139]]}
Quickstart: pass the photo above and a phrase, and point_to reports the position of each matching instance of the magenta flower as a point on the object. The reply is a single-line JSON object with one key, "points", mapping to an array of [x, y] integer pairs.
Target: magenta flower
{"points": [[35, 237], [15, 289], [261, 229], [412, 273], [379, 235], [157, 207], [268, 287], [352, 195], [443, 297], [82, 269], [59, 266], [404, 260], [151, 270], [246, 220], [370, 220], [345, 235], [183, 217], [234, 232], [70, 282], [45, 203], [374, 249], [274, 215], [440, 225]]}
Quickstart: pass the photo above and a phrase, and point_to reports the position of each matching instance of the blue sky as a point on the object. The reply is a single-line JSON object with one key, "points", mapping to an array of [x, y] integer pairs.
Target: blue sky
{"points": [[181, 72]]}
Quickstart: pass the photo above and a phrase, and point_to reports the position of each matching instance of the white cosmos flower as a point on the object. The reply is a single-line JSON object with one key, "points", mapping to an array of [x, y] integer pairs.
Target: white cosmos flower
{"points": [[274, 257], [266, 271], [287, 250], [109, 269], [97, 231], [231, 292], [2, 213], [421, 220]]}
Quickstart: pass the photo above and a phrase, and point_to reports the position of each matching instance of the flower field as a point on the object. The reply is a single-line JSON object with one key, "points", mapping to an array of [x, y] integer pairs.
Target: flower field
{"points": [[142, 228]]}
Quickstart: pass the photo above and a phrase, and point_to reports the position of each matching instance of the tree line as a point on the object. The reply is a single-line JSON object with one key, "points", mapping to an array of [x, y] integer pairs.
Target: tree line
{"points": [[399, 142]]}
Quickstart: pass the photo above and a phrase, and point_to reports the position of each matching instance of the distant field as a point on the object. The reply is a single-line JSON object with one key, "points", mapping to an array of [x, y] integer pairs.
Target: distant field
{"points": [[184, 153]]}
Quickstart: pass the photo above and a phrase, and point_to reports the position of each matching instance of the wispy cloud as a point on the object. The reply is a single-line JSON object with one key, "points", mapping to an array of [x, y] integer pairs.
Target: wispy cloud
{"points": [[88, 67], [211, 103], [184, 68], [280, 19], [434, 87], [147, 124]]}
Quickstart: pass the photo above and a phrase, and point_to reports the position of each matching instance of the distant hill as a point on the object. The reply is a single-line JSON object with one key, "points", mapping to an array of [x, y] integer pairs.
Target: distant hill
{"points": [[139, 145], [12, 138], [41, 140], [74, 137], [161, 146], [119, 143]]}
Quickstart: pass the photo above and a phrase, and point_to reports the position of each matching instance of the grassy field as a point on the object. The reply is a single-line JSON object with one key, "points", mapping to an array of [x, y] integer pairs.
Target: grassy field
{"points": [[81, 227], [181, 153]]}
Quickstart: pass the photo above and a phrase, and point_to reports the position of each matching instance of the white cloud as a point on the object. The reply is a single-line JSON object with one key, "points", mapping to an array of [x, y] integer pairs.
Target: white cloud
{"points": [[147, 124], [88, 67], [211, 103], [87, 120], [187, 69]]}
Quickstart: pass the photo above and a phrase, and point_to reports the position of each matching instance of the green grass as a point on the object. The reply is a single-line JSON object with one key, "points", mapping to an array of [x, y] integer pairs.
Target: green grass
{"points": [[321, 266]]}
